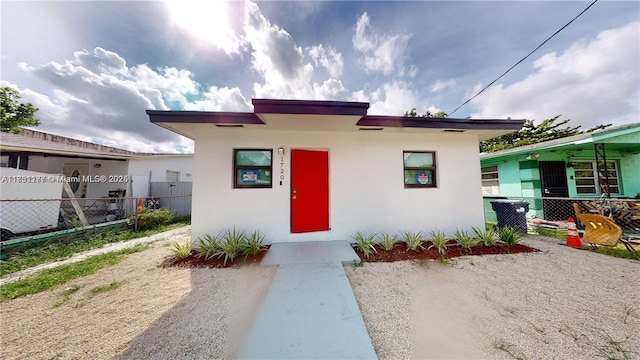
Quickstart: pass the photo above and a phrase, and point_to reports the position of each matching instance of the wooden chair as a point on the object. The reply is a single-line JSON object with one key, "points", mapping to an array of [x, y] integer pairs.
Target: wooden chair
{"points": [[601, 230]]}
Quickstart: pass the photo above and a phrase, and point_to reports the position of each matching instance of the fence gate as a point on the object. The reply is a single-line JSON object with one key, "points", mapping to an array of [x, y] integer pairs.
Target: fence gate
{"points": [[553, 180], [176, 196]]}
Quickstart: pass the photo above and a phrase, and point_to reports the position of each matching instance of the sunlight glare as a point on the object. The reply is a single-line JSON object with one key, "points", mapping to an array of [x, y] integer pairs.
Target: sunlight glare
{"points": [[207, 20]]}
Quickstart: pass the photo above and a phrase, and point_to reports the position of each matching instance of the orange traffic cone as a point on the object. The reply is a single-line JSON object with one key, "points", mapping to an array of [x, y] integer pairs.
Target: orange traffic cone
{"points": [[573, 239], [139, 210]]}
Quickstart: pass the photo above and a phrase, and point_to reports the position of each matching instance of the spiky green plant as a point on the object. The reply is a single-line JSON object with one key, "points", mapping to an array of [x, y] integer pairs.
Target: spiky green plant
{"points": [[253, 244], [413, 240], [208, 246], [465, 240], [487, 237], [509, 235], [365, 243], [439, 241], [387, 241], [181, 251], [232, 244]]}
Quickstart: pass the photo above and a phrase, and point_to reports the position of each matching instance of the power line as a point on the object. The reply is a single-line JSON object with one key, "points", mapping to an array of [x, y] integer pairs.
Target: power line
{"points": [[524, 58]]}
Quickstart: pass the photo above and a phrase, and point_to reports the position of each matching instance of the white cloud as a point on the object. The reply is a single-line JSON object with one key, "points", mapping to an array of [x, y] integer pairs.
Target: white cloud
{"points": [[221, 99], [393, 98], [329, 58], [594, 81], [440, 85], [97, 96], [280, 63], [381, 53]]}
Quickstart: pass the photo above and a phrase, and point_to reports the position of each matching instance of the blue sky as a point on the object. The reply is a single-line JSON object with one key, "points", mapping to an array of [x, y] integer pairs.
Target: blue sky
{"points": [[93, 68]]}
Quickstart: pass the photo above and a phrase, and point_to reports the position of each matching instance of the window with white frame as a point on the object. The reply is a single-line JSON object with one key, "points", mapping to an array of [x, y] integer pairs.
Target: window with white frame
{"points": [[172, 176], [587, 178], [490, 182]]}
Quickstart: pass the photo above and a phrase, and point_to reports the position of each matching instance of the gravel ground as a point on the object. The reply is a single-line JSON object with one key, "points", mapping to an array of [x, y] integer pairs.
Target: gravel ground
{"points": [[560, 303], [155, 313]]}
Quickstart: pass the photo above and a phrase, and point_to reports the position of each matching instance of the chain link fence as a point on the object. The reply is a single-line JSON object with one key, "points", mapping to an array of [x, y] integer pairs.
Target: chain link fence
{"points": [[549, 216], [36, 217]]}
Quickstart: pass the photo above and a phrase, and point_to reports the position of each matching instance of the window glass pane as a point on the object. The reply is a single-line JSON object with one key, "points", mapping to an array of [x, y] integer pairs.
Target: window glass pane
{"points": [[584, 174], [418, 177], [585, 182], [490, 190], [583, 165], [418, 159], [253, 177], [586, 190], [490, 169], [253, 158], [490, 176]]}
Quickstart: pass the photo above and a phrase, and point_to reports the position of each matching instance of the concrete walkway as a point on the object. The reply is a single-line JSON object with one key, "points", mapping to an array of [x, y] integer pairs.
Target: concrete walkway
{"points": [[310, 311]]}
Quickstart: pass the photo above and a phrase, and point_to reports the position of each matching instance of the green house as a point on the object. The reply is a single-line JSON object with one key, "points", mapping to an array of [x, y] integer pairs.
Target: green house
{"points": [[578, 167]]}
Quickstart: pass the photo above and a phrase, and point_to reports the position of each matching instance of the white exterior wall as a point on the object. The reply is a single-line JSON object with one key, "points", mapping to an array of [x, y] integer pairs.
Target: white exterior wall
{"points": [[366, 188], [157, 166], [109, 168]]}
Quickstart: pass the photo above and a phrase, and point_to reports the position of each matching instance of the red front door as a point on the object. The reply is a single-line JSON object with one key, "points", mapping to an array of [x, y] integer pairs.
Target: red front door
{"points": [[309, 191]]}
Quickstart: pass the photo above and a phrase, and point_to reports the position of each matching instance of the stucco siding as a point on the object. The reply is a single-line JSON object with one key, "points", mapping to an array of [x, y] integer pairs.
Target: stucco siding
{"points": [[157, 166], [366, 190], [630, 173]]}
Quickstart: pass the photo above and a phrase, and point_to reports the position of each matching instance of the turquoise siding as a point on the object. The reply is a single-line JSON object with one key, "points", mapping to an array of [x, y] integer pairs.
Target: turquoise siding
{"points": [[519, 177], [630, 174]]}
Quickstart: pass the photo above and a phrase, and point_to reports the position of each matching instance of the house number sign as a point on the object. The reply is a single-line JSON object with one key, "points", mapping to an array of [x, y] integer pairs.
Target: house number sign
{"points": [[281, 169]]}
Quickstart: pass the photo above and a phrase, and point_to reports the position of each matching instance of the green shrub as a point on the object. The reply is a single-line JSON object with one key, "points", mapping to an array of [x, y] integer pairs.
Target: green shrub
{"points": [[232, 244], [488, 237], [208, 247], [365, 243], [181, 251], [387, 241], [509, 235], [149, 219], [465, 240], [413, 240], [254, 244], [439, 241]]}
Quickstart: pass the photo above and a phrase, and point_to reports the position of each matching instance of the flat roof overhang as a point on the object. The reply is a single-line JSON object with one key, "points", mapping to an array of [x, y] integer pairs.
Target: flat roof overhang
{"points": [[36, 151], [305, 115], [182, 122], [309, 107]]}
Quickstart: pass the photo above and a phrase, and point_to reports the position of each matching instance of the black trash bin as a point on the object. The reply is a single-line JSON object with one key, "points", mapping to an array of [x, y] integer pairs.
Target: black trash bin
{"points": [[511, 213]]}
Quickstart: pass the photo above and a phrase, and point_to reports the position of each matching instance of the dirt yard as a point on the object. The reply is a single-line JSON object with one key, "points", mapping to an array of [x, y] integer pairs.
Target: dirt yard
{"points": [[556, 303], [155, 312]]}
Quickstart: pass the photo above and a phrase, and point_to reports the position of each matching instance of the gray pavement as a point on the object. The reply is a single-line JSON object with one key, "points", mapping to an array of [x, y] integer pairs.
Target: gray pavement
{"points": [[310, 311]]}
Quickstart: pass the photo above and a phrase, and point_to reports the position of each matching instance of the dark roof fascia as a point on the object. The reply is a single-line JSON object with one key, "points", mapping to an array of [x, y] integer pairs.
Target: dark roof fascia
{"points": [[309, 107], [440, 123], [203, 117]]}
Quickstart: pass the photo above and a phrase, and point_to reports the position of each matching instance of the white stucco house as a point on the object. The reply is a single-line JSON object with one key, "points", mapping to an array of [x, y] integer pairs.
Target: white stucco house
{"points": [[301, 170], [55, 154]]}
